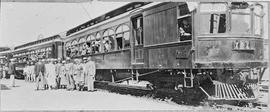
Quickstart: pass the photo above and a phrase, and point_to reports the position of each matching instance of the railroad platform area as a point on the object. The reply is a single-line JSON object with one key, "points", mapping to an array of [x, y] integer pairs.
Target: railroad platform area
{"points": [[24, 97]]}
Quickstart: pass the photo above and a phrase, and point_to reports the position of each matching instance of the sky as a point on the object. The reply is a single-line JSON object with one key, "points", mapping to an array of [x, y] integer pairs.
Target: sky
{"points": [[25, 22]]}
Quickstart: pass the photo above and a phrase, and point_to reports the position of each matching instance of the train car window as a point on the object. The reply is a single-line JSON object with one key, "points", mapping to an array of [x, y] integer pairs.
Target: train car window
{"points": [[258, 14], [185, 28], [119, 40], [138, 30], [126, 40], [108, 40], [213, 18], [240, 19], [98, 44], [122, 37]]}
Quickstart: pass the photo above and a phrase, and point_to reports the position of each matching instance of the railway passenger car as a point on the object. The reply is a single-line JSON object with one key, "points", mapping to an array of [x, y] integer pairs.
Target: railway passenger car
{"points": [[189, 49], [51, 47]]}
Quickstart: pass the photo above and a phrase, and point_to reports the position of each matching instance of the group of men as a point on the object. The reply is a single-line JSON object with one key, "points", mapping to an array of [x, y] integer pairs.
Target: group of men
{"points": [[62, 74]]}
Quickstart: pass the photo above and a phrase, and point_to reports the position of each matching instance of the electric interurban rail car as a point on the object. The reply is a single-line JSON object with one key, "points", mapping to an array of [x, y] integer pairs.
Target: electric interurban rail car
{"points": [[188, 51], [50, 47], [214, 49]]}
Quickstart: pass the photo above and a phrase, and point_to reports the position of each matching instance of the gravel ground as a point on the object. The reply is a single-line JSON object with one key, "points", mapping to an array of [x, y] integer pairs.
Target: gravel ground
{"points": [[24, 97]]}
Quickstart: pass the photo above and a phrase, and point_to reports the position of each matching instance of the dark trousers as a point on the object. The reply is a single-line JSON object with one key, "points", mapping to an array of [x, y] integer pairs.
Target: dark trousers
{"points": [[58, 79]]}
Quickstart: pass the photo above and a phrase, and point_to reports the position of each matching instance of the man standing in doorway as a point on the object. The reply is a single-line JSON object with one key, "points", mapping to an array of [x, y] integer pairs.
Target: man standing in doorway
{"points": [[90, 72], [11, 71]]}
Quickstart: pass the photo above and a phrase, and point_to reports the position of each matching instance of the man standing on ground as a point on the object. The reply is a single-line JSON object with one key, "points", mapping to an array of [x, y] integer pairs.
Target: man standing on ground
{"points": [[11, 71], [90, 72], [39, 72], [57, 71], [51, 74], [70, 74]]}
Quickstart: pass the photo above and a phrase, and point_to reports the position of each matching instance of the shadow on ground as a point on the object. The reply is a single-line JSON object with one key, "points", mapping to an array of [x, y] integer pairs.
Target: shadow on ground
{"points": [[4, 87]]}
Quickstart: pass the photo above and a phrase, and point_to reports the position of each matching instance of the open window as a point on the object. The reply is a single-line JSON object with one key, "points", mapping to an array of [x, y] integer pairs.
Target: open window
{"points": [[82, 50], [184, 23], [108, 40], [212, 18], [74, 48], [97, 44], [122, 37], [137, 23], [68, 49]]}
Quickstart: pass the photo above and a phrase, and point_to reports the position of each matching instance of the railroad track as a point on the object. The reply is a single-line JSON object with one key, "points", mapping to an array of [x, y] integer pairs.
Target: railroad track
{"points": [[174, 96]]}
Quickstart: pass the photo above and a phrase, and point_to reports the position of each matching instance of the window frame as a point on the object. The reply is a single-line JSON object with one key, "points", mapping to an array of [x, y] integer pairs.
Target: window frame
{"points": [[122, 32], [226, 12], [254, 14], [108, 36], [100, 42], [241, 13], [142, 36]]}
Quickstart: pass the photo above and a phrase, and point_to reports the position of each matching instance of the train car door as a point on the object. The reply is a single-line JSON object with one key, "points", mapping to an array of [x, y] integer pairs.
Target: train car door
{"points": [[137, 53]]}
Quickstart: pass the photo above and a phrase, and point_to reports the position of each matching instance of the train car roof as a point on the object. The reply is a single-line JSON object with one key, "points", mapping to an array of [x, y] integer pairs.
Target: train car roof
{"points": [[29, 44], [108, 15], [68, 39]]}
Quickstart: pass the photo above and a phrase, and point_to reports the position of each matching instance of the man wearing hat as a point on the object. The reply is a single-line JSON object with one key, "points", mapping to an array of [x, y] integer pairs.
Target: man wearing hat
{"points": [[26, 72], [62, 75], [51, 74], [46, 62], [32, 71], [40, 72], [78, 74], [70, 74], [58, 66], [90, 72], [11, 71]]}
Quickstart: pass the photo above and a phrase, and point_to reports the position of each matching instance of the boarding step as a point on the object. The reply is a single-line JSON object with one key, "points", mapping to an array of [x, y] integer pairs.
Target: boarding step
{"points": [[224, 91]]}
